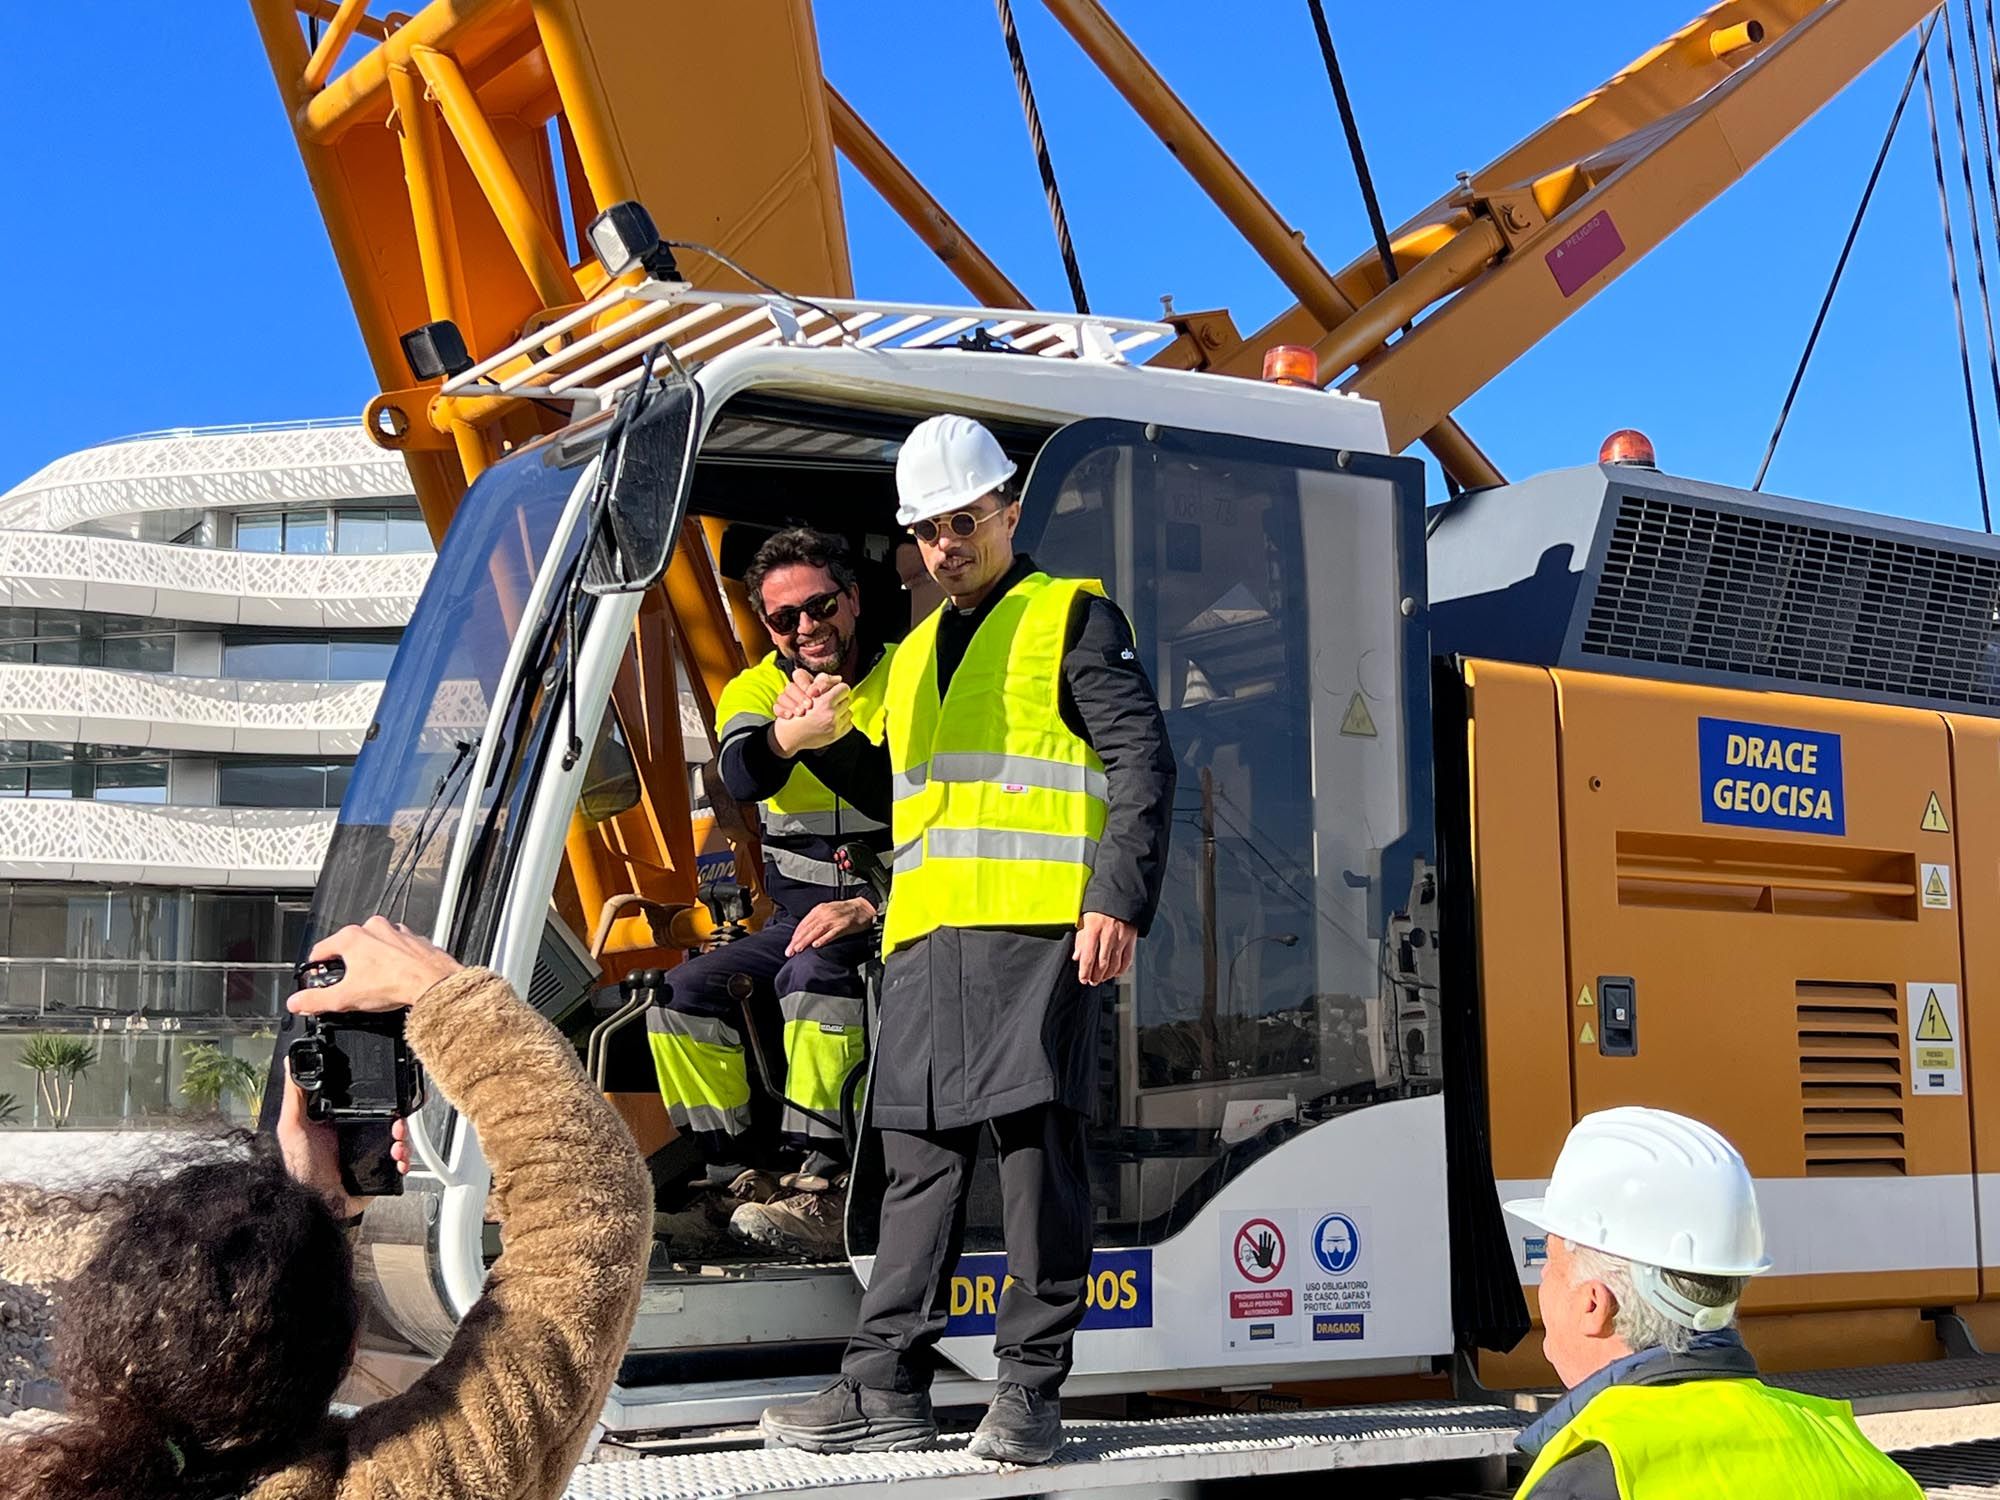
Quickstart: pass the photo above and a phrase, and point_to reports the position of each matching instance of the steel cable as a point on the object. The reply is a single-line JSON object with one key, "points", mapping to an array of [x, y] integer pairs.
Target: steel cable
{"points": [[1846, 249], [1971, 194], [1042, 162], [1957, 302]]}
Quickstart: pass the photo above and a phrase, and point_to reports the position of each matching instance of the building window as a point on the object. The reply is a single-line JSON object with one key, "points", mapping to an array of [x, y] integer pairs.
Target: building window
{"points": [[67, 638], [303, 531], [373, 531], [281, 783], [280, 660], [297, 658], [104, 772]]}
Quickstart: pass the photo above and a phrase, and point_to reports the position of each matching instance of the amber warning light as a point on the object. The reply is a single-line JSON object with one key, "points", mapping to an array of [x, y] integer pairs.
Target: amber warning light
{"points": [[1291, 364], [1627, 445]]}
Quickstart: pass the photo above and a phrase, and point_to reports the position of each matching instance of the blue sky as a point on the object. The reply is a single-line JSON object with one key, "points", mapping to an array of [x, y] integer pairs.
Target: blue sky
{"points": [[225, 305]]}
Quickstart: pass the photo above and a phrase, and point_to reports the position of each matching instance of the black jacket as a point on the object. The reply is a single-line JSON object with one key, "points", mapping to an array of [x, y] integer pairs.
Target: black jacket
{"points": [[979, 1022], [1587, 1474]]}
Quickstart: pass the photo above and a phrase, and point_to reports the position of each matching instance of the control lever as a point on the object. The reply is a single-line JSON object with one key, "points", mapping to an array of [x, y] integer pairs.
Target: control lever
{"points": [[857, 859]]}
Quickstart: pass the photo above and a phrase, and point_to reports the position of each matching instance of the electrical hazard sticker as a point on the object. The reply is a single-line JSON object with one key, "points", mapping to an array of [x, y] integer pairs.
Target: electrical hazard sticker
{"points": [[1587, 1037], [1583, 998], [1934, 819], [1934, 1044], [1357, 720], [1936, 887]]}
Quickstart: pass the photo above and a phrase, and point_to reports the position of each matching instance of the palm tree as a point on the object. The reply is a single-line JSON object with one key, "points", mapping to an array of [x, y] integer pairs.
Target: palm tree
{"points": [[57, 1062], [10, 1110], [210, 1078]]}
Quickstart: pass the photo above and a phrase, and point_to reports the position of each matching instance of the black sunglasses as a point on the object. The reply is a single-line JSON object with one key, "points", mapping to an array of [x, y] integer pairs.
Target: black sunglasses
{"points": [[961, 523], [785, 618]]}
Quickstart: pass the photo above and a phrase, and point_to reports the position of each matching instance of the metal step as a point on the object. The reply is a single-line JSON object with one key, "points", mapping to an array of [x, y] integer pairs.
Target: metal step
{"points": [[1956, 1471], [1097, 1456], [1880, 1388]]}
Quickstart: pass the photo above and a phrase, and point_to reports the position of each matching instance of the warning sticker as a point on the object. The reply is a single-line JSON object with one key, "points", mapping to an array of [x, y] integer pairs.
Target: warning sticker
{"points": [[1357, 720], [1336, 1294], [1260, 1280], [1936, 886], [1934, 821], [1934, 1061], [1586, 1037], [1583, 998]]}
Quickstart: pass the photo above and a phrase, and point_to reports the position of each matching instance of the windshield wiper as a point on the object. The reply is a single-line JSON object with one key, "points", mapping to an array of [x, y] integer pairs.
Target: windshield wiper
{"points": [[429, 820]]}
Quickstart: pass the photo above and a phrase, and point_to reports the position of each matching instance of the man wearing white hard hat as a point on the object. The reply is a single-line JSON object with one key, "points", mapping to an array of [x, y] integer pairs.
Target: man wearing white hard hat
{"points": [[1030, 784], [1652, 1232]]}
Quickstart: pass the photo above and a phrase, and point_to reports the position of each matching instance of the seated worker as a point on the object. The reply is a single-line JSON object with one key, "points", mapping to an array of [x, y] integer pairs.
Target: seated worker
{"points": [[802, 585]]}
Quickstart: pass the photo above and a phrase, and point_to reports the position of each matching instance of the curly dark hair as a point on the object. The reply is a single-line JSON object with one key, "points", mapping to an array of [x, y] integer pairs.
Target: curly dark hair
{"points": [[795, 545], [201, 1344]]}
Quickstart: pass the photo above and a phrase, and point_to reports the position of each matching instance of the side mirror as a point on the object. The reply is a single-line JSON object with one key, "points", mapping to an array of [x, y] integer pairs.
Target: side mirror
{"points": [[652, 469]]}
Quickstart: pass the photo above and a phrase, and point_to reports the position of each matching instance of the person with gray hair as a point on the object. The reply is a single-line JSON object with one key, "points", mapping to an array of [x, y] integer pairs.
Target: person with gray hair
{"points": [[1651, 1232]]}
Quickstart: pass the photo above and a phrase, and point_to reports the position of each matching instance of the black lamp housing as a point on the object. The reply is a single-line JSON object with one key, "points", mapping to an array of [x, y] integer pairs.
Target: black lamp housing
{"points": [[436, 350], [623, 236]]}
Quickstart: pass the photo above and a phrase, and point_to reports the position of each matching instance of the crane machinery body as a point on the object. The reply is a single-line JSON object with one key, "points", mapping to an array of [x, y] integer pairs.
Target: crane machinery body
{"points": [[1508, 773]]}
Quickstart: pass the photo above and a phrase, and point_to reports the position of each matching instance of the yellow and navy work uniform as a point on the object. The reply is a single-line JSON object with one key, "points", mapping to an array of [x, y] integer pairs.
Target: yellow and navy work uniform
{"points": [[1024, 759], [1695, 1430], [696, 1035]]}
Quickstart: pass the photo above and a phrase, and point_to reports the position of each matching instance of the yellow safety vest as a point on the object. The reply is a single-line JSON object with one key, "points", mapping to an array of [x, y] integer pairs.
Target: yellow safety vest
{"points": [[998, 804], [1707, 1438], [803, 805]]}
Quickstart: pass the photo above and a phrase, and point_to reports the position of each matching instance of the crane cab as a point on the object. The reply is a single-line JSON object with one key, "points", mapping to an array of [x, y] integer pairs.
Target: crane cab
{"points": [[1268, 1147]]}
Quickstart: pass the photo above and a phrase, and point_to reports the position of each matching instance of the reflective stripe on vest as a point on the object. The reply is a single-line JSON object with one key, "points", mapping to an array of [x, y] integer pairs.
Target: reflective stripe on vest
{"points": [[1706, 1438], [998, 803]]}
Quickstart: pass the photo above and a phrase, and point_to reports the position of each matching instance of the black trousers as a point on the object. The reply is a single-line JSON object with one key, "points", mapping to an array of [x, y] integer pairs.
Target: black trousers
{"points": [[1046, 1215]]}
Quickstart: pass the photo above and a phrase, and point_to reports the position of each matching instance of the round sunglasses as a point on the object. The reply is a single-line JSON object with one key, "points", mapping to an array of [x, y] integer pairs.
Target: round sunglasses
{"points": [[961, 523]]}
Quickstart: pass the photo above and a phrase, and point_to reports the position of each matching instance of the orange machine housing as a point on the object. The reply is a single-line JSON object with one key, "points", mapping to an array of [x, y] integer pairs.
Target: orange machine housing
{"points": [[1781, 981]]}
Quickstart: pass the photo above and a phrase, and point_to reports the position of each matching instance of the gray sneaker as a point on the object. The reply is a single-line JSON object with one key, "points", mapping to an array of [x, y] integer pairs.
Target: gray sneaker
{"points": [[1021, 1427], [848, 1417]]}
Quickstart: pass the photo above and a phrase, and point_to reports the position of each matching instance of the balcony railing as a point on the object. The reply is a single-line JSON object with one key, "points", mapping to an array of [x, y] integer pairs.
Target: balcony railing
{"points": [[139, 994]]}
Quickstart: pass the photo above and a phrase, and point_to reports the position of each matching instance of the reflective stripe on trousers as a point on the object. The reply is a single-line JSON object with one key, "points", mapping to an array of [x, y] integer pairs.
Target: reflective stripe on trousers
{"points": [[824, 1043], [699, 1063], [997, 769]]}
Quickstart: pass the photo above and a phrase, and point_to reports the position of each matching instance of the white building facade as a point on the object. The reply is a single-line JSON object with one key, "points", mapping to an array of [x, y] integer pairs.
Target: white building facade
{"points": [[194, 630]]}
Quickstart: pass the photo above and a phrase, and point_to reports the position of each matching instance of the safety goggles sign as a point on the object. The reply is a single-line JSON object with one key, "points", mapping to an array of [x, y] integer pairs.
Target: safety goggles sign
{"points": [[1295, 1275], [1771, 776], [1118, 1293]]}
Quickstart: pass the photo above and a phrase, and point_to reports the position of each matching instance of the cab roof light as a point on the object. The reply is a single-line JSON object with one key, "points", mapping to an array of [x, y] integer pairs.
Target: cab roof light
{"points": [[436, 351], [623, 236], [1291, 364], [1628, 445]]}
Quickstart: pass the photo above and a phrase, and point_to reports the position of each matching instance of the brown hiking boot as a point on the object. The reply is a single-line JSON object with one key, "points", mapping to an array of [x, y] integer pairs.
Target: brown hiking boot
{"points": [[808, 1224], [701, 1230]]}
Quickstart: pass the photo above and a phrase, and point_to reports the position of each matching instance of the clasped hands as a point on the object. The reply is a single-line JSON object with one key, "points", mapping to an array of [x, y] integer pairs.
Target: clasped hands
{"points": [[811, 713]]}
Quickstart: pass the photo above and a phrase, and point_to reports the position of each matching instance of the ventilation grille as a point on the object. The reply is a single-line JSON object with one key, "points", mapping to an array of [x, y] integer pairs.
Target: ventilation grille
{"points": [[1851, 1080], [1768, 597]]}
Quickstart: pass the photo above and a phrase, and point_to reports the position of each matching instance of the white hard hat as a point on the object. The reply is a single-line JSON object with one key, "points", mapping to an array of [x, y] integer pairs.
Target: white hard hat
{"points": [[947, 463], [1657, 1189]]}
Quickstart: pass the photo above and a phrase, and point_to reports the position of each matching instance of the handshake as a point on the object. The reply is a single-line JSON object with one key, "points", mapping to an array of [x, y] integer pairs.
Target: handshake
{"points": [[811, 713]]}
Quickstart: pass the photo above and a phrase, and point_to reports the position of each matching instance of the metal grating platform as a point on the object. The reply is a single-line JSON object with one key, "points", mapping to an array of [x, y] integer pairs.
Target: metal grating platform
{"points": [[1899, 1387], [1098, 1455], [1958, 1471]]}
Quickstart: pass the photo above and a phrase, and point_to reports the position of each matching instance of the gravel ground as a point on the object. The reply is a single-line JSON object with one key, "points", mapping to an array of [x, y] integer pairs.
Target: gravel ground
{"points": [[41, 1243]]}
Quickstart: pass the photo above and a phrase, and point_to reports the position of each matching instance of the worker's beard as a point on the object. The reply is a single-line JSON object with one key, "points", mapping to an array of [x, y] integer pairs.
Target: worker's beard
{"points": [[825, 652]]}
